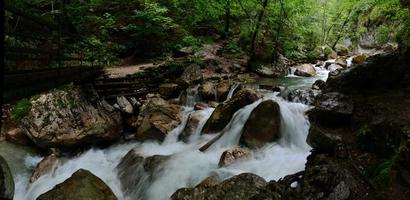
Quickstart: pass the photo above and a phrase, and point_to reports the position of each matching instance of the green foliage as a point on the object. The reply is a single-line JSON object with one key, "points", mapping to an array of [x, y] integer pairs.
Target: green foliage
{"points": [[363, 131], [21, 109]]}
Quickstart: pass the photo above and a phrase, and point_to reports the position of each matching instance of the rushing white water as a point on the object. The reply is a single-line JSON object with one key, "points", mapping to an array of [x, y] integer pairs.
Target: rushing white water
{"points": [[232, 90], [189, 166]]}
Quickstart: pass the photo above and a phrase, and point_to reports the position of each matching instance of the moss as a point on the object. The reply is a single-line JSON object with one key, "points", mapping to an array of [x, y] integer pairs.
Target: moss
{"points": [[21, 109]]}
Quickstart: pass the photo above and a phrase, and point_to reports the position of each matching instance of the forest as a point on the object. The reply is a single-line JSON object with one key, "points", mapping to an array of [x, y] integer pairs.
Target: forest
{"points": [[205, 100]]}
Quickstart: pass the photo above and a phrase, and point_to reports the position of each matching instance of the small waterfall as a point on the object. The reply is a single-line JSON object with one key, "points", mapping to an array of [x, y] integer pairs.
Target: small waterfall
{"points": [[232, 90], [192, 96]]}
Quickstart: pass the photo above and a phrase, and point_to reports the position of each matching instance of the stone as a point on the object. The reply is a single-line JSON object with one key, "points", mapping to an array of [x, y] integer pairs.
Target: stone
{"points": [[321, 139], [207, 91], [156, 119], [341, 61], [192, 124], [136, 172], [125, 105], [222, 90], [191, 75], [233, 155], [81, 185], [334, 67], [46, 166], [17, 136], [65, 119], [242, 186], [383, 71], [318, 84], [224, 111], [169, 90], [6, 181], [332, 109], [262, 126], [359, 59], [306, 70]]}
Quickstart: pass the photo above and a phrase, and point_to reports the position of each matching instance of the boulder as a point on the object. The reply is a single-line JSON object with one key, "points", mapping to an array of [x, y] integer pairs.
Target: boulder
{"points": [[81, 185], [125, 105], [135, 172], [334, 67], [233, 155], [306, 70], [65, 119], [318, 84], [17, 136], [224, 111], [207, 91], [305, 96], [242, 186], [169, 90], [222, 90], [321, 139], [192, 124], [156, 119], [324, 178], [191, 75], [341, 61], [383, 71], [263, 125], [359, 59], [45, 166], [332, 109], [6, 181]]}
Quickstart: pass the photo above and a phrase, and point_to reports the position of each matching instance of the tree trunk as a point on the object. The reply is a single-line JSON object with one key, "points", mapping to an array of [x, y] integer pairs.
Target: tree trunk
{"points": [[258, 23], [275, 52]]}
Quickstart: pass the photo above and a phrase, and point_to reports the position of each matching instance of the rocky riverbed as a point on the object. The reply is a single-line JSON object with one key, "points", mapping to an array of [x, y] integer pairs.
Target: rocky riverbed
{"points": [[225, 135]]}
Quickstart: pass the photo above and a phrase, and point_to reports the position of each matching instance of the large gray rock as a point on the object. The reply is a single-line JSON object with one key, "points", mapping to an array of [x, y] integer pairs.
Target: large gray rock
{"points": [[233, 155], [64, 118], [136, 172], [6, 181], [156, 119], [242, 186], [45, 166], [81, 185], [306, 70], [191, 75], [332, 109], [125, 105], [224, 112], [263, 125]]}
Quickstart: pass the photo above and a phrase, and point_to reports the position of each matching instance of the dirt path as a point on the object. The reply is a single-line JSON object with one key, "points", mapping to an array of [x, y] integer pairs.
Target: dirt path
{"points": [[122, 71]]}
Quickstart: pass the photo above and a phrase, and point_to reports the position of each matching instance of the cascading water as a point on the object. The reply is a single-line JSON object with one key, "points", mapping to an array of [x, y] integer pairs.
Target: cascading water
{"points": [[188, 166]]}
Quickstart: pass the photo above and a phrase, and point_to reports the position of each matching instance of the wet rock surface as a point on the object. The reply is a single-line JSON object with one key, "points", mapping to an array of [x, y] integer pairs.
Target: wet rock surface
{"points": [[6, 181], [233, 155], [224, 111], [243, 186], [263, 125], [81, 185]]}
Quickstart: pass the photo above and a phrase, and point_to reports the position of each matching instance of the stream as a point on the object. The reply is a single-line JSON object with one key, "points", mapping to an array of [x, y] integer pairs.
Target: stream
{"points": [[188, 166]]}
